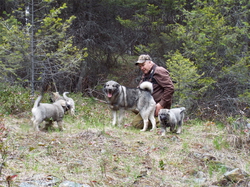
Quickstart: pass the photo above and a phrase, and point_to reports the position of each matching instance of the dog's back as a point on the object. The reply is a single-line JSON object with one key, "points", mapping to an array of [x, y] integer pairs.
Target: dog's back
{"points": [[178, 113]]}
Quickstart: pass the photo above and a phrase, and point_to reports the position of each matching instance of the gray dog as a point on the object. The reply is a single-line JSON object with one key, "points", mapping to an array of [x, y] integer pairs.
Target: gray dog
{"points": [[172, 118], [140, 100], [48, 112]]}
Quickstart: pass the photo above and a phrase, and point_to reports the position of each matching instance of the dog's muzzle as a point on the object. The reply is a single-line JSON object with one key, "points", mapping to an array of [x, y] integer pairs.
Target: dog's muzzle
{"points": [[162, 117], [109, 92]]}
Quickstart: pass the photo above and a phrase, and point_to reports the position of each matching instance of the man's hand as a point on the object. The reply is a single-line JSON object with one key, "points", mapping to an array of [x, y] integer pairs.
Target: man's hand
{"points": [[158, 108]]}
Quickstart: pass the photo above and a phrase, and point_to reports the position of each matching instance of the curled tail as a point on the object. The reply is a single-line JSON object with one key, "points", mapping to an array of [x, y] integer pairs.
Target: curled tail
{"points": [[146, 85], [182, 109], [37, 102], [65, 96]]}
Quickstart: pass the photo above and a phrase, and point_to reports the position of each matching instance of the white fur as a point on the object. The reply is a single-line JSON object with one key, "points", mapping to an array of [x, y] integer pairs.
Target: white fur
{"points": [[70, 102]]}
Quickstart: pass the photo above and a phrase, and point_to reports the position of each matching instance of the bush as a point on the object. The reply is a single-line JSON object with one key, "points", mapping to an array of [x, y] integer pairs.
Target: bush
{"points": [[14, 99]]}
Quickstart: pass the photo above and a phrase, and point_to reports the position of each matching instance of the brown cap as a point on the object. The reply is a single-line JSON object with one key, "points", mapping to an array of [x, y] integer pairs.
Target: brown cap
{"points": [[142, 59]]}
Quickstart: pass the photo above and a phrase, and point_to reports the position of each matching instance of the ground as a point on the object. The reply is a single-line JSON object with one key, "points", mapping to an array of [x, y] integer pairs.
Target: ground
{"points": [[91, 151]]}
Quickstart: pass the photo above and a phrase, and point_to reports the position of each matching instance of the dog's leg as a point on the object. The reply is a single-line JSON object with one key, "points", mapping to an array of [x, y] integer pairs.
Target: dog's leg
{"points": [[163, 130], [145, 126], [72, 111], [48, 125], [120, 117], [179, 128], [60, 125], [114, 117], [152, 119], [172, 127], [36, 125]]}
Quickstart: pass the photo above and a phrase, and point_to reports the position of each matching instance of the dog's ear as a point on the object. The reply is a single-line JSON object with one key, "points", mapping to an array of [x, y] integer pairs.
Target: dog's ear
{"points": [[63, 103], [117, 85], [56, 95], [167, 111]]}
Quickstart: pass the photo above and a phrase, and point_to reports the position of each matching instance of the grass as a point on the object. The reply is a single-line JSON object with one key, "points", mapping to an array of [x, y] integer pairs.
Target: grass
{"points": [[91, 151]]}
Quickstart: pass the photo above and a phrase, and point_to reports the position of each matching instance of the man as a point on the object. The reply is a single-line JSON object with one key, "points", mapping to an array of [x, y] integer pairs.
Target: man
{"points": [[162, 85]]}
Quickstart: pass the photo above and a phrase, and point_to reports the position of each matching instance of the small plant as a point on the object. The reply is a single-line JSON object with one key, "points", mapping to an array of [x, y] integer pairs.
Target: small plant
{"points": [[161, 165], [185, 146], [220, 143], [216, 167]]}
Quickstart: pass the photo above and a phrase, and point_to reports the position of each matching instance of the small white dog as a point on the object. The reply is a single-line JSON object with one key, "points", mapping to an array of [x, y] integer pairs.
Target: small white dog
{"points": [[70, 102], [48, 112]]}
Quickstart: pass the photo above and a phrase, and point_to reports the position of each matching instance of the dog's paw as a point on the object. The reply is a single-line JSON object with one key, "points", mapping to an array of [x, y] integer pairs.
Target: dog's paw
{"points": [[143, 130], [153, 129]]}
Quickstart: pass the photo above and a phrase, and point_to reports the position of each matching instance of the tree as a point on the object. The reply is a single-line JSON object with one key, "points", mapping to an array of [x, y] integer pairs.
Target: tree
{"points": [[189, 85], [214, 38], [56, 58]]}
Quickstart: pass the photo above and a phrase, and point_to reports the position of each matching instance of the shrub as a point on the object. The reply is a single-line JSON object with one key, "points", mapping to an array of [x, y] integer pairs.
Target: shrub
{"points": [[14, 99]]}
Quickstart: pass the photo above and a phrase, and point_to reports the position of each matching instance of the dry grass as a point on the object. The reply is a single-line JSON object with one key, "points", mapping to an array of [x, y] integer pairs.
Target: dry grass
{"points": [[91, 151]]}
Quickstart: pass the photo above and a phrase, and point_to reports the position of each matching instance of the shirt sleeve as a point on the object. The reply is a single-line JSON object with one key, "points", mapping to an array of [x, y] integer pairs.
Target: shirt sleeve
{"points": [[163, 79]]}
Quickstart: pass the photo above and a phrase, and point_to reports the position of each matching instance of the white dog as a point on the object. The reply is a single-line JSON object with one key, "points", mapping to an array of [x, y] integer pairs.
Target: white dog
{"points": [[48, 112], [70, 102]]}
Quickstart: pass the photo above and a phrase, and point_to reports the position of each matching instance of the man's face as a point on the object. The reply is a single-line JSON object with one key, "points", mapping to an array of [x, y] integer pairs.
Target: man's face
{"points": [[146, 66]]}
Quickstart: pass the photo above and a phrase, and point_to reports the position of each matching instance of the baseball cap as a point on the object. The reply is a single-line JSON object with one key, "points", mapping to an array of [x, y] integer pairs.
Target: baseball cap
{"points": [[142, 59]]}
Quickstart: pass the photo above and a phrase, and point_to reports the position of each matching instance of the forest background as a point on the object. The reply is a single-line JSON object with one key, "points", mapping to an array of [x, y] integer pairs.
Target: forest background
{"points": [[77, 45]]}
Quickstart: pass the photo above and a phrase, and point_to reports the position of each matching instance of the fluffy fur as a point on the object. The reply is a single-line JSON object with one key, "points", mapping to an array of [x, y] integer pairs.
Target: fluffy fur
{"points": [[172, 118], [70, 102], [140, 100], [56, 96], [48, 112]]}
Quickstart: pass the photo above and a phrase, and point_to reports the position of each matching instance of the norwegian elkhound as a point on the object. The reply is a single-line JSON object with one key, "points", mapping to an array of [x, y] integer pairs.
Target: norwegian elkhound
{"points": [[135, 99], [48, 112], [70, 102], [172, 118]]}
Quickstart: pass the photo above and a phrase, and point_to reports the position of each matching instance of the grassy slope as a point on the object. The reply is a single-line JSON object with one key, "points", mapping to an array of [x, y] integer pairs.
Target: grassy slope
{"points": [[93, 152]]}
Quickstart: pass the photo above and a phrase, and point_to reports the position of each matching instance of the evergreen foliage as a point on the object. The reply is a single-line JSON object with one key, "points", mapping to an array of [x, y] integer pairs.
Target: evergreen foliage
{"points": [[216, 43], [56, 58], [205, 44]]}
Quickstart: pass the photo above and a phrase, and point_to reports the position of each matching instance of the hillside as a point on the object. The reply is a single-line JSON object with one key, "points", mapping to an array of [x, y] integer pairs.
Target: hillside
{"points": [[91, 152]]}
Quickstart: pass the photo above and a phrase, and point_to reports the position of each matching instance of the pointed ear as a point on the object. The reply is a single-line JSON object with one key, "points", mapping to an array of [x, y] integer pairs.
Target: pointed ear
{"points": [[63, 103]]}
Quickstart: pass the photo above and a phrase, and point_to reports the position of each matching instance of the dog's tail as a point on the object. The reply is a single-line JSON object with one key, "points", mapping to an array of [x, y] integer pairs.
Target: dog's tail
{"points": [[37, 101], [65, 96], [182, 109], [146, 85]]}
